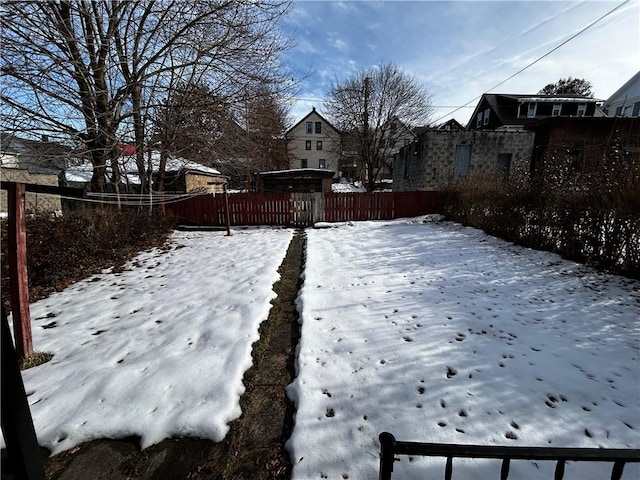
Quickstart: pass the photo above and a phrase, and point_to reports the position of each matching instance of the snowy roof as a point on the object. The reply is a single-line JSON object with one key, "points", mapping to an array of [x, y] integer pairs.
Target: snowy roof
{"points": [[174, 164], [296, 170], [129, 168]]}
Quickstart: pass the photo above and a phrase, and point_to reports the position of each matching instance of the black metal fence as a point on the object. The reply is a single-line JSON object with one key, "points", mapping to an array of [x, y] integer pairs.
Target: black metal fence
{"points": [[390, 447]]}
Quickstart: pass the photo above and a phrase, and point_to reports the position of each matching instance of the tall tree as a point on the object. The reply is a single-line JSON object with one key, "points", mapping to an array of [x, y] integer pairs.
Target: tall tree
{"points": [[197, 124], [97, 71], [368, 105], [568, 86], [265, 123], [238, 137]]}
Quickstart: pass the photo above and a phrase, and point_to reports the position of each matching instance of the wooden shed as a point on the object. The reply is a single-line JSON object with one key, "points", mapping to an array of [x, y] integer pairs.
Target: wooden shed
{"points": [[301, 180]]}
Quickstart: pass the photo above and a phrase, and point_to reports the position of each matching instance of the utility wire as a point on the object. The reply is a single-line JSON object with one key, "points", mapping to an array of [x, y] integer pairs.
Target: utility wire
{"points": [[539, 58]]}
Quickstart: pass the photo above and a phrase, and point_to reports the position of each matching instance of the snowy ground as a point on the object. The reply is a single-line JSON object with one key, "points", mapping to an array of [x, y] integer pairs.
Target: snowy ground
{"points": [[431, 331], [158, 350], [439, 333]]}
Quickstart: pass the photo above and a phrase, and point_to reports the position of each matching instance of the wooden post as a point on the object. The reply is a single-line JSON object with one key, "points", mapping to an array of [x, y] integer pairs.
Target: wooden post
{"points": [[25, 459], [18, 278], [226, 210]]}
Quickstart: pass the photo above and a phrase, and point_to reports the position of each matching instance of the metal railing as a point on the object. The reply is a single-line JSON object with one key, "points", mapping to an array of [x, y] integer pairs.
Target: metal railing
{"points": [[390, 447]]}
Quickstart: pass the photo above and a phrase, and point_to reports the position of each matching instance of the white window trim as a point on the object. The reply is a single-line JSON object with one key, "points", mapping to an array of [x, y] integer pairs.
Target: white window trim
{"points": [[582, 109]]}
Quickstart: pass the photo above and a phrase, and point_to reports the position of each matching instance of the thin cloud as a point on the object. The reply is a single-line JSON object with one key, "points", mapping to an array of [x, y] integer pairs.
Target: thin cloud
{"points": [[460, 49]]}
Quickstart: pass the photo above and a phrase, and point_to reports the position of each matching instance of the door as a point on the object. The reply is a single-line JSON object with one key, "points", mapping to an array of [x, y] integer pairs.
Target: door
{"points": [[462, 160]]}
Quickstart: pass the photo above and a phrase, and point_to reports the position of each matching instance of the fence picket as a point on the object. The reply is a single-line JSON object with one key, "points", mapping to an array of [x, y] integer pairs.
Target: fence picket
{"points": [[304, 209]]}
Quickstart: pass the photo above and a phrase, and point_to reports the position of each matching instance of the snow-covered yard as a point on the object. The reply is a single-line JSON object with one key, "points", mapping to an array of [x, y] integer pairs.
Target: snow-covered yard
{"points": [[431, 331], [159, 349], [439, 333]]}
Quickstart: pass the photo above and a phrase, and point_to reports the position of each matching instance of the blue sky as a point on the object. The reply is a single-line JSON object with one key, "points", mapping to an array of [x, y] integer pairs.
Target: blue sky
{"points": [[461, 49]]}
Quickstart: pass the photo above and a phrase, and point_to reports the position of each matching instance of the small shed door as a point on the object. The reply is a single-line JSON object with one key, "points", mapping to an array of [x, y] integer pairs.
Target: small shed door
{"points": [[462, 160]]}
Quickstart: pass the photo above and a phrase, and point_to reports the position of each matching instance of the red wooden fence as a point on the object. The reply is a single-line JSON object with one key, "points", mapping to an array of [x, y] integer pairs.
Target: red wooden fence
{"points": [[302, 210]]}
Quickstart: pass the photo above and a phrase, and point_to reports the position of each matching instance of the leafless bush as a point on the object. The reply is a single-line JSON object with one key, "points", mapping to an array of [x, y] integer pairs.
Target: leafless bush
{"points": [[61, 250], [591, 215]]}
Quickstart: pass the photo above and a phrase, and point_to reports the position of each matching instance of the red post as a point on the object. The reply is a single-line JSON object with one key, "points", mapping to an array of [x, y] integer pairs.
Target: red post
{"points": [[18, 278], [226, 210]]}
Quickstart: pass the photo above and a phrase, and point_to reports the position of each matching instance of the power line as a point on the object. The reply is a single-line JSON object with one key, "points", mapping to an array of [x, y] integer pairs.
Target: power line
{"points": [[539, 58]]}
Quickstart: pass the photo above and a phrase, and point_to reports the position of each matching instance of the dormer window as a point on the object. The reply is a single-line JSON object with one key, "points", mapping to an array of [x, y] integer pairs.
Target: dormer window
{"points": [[531, 110], [479, 120], [582, 109], [486, 116], [557, 108]]}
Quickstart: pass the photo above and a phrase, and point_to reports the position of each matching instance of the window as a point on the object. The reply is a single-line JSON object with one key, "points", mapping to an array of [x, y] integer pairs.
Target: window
{"points": [[531, 110], [318, 127], [303, 163], [319, 145], [479, 120], [322, 163], [626, 111], [307, 145], [575, 160], [309, 127], [582, 109], [462, 160], [486, 116], [557, 108], [504, 163]]}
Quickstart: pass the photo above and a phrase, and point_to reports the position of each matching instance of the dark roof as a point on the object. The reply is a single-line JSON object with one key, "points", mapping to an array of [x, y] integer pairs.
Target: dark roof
{"points": [[36, 156], [451, 123], [504, 106]]}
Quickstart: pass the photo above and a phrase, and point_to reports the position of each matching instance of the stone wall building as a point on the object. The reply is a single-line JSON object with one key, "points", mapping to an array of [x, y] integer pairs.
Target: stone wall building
{"points": [[439, 156], [34, 202]]}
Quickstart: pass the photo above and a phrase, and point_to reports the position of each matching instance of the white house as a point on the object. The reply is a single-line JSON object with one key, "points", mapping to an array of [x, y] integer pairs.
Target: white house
{"points": [[625, 102], [314, 143]]}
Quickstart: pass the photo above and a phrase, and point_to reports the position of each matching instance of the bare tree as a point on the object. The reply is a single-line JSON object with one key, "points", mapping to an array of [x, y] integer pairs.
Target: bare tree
{"points": [[265, 123], [240, 138], [369, 103], [97, 71]]}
